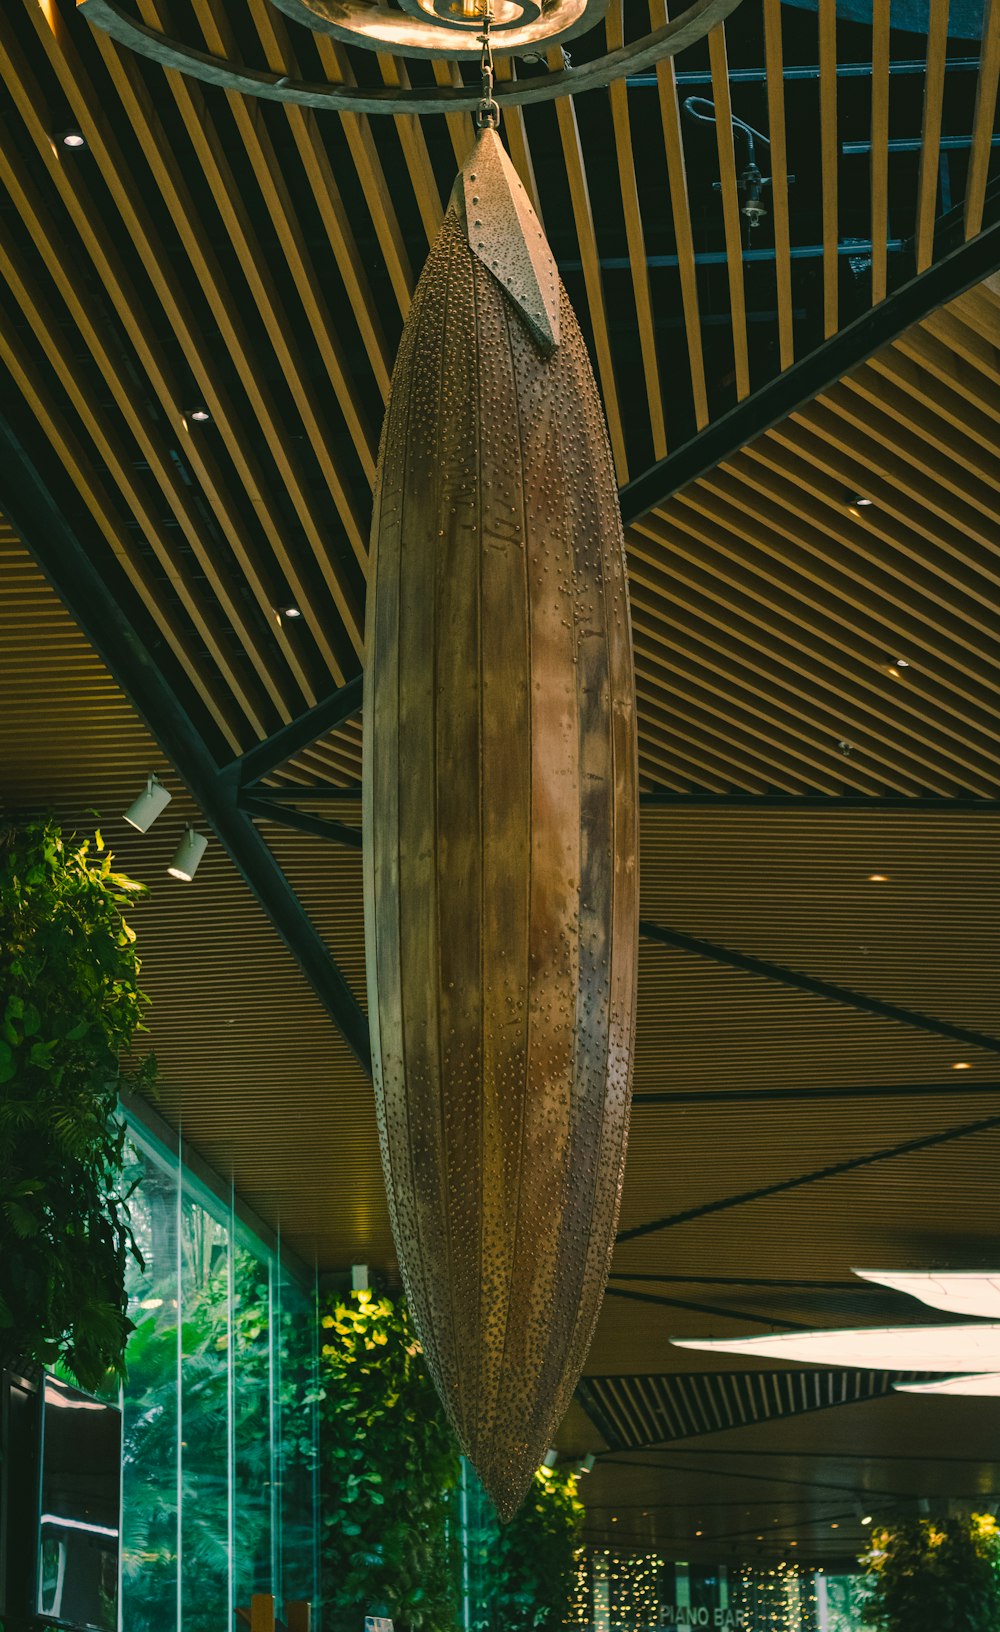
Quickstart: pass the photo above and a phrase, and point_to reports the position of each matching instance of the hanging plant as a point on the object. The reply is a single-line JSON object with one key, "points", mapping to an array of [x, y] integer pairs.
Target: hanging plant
{"points": [[927, 1575], [389, 1464], [531, 1565], [70, 1007]]}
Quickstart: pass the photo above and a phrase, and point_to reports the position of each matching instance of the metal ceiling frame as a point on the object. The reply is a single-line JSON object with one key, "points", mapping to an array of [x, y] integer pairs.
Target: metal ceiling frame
{"points": [[764, 1096], [62, 555], [956, 271], [678, 941], [835, 1170]]}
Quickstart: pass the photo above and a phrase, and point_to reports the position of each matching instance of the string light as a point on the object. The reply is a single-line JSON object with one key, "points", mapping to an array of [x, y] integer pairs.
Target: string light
{"points": [[643, 1591]]}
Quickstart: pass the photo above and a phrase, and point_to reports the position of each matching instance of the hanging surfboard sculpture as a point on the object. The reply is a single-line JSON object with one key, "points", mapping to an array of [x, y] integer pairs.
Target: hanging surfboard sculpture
{"points": [[500, 827]]}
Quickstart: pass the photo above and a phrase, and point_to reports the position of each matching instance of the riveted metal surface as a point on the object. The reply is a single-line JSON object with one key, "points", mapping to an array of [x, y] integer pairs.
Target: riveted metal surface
{"points": [[508, 238], [500, 853]]}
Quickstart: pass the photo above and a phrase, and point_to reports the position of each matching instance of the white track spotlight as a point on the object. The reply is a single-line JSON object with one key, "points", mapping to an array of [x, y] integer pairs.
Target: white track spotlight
{"points": [[550, 1458], [189, 853], [153, 800], [586, 1463]]}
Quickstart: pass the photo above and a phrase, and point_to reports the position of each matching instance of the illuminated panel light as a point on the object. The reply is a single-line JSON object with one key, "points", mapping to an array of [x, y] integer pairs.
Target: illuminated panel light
{"points": [[986, 1385], [59, 1523], [958, 1292], [872, 1348]]}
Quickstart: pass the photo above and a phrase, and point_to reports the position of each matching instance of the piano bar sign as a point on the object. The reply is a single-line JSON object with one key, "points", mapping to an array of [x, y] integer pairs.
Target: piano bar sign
{"points": [[687, 1618]]}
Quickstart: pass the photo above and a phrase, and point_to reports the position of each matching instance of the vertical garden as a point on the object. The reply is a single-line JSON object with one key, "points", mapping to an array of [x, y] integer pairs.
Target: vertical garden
{"points": [[275, 1438]]}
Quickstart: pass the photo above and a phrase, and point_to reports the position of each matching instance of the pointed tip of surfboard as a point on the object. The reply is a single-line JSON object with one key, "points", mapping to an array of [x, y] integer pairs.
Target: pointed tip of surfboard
{"points": [[506, 235]]}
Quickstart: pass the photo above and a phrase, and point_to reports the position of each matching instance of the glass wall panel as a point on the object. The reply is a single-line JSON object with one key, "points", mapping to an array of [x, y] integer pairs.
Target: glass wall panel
{"points": [[204, 1332], [254, 1492], [150, 1439], [220, 1462], [296, 1386]]}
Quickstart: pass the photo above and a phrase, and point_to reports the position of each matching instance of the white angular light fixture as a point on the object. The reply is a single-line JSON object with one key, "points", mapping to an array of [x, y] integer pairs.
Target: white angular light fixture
{"points": [[189, 853], [153, 800], [958, 1292], [985, 1385], [873, 1348], [972, 1350]]}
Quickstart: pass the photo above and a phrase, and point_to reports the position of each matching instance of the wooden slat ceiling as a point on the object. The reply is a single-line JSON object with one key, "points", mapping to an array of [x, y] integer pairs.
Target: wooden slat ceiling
{"points": [[258, 261], [789, 642]]}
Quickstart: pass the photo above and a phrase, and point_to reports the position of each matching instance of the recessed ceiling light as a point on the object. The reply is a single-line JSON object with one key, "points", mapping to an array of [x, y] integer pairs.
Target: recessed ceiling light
{"points": [[699, 1532], [858, 501], [866, 1518], [878, 878], [290, 612], [199, 415], [835, 1525], [793, 1544], [961, 1065], [73, 138]]}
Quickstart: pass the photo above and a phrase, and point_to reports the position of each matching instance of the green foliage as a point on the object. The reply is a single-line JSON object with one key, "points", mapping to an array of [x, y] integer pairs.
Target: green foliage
{"points": [[388, 1464], [529, 1567], [71, 1005], [926, 1575]]}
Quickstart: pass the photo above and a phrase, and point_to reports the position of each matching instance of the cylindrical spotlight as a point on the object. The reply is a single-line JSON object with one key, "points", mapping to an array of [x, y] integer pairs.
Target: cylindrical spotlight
{"points": [[153, 800], [189, 853]]}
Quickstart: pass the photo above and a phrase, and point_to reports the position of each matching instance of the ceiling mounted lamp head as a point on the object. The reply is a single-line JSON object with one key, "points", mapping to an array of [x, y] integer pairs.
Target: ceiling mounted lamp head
{"points": [[500, 819]]}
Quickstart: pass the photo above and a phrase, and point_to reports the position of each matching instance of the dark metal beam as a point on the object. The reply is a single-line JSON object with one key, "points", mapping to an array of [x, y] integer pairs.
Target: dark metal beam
{"points": [[831, 802], [704, 1308], [834, 1454], [322, 793], [770, 1096], [955, 270], [928, 1142], [747, 1280], [747, 964], [316, 825], [61, 553], [266, 756], [845, 70], [619, 1458]]}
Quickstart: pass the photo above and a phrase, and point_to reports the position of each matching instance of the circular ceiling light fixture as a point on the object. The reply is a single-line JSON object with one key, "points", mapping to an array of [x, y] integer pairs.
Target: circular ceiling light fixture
{"points": [[424, 28], [435, 28]]}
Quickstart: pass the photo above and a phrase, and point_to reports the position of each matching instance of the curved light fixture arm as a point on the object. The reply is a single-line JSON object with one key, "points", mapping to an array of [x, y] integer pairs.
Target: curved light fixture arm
{"points": [[691, 25]]}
